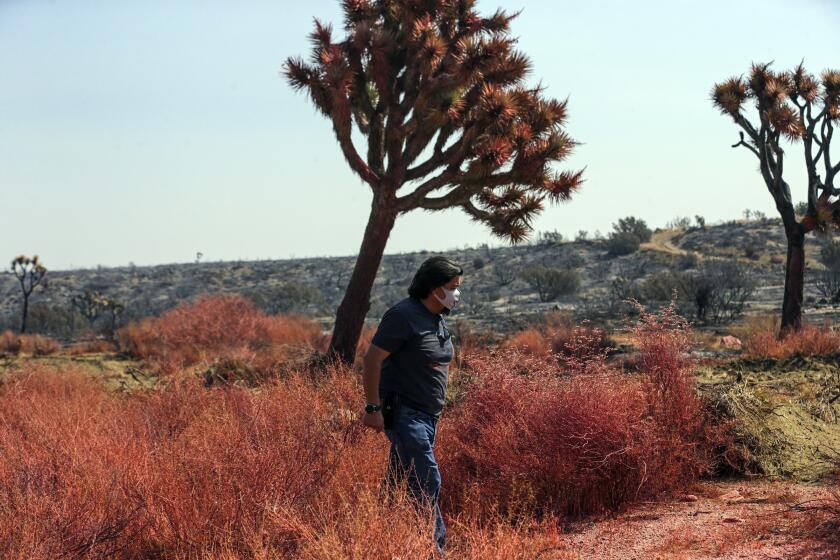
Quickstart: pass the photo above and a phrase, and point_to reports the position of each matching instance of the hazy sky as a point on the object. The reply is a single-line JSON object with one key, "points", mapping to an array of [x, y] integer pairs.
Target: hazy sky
{"points": [[148, 131]]}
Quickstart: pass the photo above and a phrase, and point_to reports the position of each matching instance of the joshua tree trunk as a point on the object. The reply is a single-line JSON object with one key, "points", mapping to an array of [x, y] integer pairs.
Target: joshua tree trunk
{"points": [[794, 281], [25, 313], [351, 313]]}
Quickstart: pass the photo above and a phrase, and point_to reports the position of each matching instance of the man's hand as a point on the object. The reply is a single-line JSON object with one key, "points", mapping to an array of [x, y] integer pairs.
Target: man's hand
{"points": [[374, 421]]}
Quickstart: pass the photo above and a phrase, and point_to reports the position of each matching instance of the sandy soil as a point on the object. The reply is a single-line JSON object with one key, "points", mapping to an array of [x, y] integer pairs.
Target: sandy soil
{"points": [[721, 520]]}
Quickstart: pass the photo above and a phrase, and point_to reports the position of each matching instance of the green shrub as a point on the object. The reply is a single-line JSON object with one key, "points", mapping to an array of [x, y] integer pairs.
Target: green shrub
{"points": [[830, 255], [633, 226], [550, 282], [622, 243]]}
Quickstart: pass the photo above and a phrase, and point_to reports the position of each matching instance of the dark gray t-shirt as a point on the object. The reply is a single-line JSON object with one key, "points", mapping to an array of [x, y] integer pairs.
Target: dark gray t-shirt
{"points": [[421, 349]]}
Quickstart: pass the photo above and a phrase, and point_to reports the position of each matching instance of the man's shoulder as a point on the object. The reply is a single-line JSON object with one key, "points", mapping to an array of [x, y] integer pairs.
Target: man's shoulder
{"points": [[411, 310], [403, 309], [406, 305]]}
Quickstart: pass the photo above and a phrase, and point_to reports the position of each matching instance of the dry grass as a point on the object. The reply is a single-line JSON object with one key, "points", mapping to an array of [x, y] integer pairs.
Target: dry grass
{"points": [[218, 326], [759, 335], [527, 439], [580, 348], [286, 471], [32, 344]]}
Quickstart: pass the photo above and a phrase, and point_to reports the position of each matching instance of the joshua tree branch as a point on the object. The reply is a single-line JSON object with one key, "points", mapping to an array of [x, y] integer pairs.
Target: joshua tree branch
{"points": [[442, 157], [411, 200], [747, 146]]}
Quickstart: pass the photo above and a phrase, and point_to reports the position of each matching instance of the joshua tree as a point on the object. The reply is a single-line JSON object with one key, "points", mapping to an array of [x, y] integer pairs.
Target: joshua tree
{"points": [[794, 106], [439, 93], [115, 309], [90, 305], [29, 272]]}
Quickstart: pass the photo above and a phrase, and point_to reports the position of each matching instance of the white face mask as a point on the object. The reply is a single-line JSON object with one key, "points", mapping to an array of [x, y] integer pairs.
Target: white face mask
{"points": [[451, 298]]}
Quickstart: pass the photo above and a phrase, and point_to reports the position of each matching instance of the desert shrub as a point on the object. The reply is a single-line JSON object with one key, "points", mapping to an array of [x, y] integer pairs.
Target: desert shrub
{"points": [[722, 289], [830, 255], [213, 326], [827, 283], [288, 297], [54, 319], [579, 347], [530, 341], [662, 285], [686, 261], [626, 237], [718, 291], [551, 283], [43, 345], [33, 344], [504, 272], [526, 439], [634, 226], [492, 293], [570, 259], [186, 472], [9, 342], [621, 243], [752, 252], [760, 338], [680, 222], [548, 238], [94, 346], [478, 263]]}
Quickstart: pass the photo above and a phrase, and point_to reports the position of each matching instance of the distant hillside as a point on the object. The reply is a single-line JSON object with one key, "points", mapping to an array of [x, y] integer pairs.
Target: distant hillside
{"points": [[494, 295]]}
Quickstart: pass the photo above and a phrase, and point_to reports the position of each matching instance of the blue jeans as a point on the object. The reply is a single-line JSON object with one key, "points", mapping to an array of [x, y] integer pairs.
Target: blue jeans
{"points": [[412, 441]]}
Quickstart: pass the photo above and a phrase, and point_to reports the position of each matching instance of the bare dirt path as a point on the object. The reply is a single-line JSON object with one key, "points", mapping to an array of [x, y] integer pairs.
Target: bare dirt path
{"points": [[723, 520], [662, 241]]}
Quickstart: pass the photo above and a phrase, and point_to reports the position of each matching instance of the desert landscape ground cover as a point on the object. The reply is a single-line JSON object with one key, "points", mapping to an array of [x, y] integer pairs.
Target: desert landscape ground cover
{"points": [[212, 432]]}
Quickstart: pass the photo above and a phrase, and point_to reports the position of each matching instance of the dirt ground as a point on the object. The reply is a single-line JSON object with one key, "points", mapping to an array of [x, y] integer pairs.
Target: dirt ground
{"points": [[757, 519]]}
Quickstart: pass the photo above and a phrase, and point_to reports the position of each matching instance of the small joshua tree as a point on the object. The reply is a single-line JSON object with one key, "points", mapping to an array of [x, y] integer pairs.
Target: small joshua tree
{"points": [[89, 304], [115, 309], [92, 304], [30, 273], [439, 93], [794, 106]]}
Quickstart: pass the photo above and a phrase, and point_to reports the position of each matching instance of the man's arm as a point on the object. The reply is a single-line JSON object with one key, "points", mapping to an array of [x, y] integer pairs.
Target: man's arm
{"points": [[370, 379]]}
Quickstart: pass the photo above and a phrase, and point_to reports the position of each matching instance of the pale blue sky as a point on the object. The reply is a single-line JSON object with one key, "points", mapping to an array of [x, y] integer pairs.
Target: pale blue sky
{"points": [[148, 131]]}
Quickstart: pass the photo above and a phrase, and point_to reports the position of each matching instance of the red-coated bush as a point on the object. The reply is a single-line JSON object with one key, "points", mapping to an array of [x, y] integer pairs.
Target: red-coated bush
{"points": [[525, 439], [215, 326], [761, 340], [580, 348], [34, 344], [184, 472]]}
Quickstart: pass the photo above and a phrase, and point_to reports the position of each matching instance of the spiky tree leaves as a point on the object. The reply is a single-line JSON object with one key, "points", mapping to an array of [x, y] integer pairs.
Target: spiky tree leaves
{"points": [[30, 272], [439, 94], [798, 107]]}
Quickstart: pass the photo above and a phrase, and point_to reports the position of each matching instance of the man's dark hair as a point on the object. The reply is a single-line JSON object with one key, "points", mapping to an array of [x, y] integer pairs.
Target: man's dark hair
{"points": [[433, 273]]}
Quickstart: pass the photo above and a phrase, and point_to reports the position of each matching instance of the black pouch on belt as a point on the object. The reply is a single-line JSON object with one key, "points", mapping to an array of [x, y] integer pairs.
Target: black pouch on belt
{"points": [[390, 405]]}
